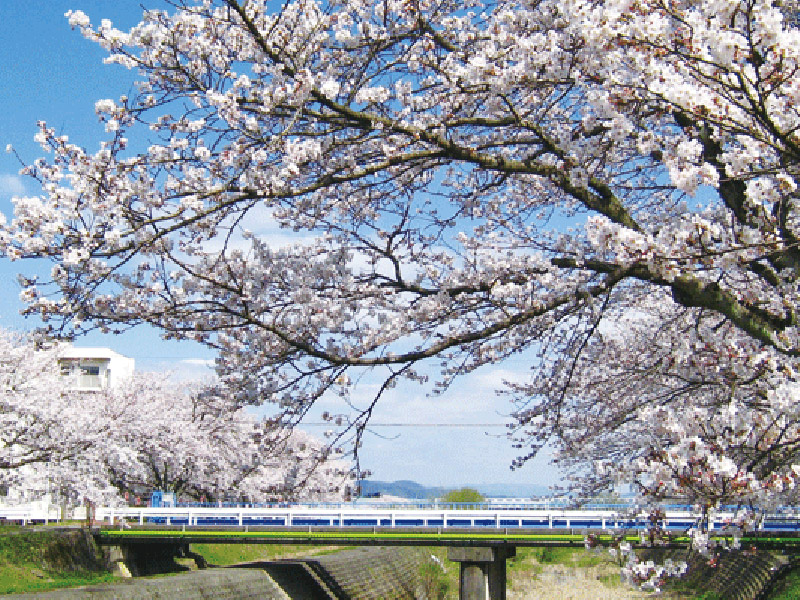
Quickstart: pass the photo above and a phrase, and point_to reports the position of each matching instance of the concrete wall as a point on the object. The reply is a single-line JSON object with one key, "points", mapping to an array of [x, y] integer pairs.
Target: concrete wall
{"points": [[736, 574], [371, 572], [211, 584]]}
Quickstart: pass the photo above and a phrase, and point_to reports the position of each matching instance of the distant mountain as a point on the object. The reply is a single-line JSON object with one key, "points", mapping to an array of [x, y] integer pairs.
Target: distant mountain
{"points": [[513, 490], [404, 489], [415, 491]]}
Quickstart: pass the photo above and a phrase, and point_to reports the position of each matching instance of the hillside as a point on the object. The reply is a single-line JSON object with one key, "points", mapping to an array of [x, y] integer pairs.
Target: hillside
{"points": [[415, 491], [44, 560], [33, 560]]}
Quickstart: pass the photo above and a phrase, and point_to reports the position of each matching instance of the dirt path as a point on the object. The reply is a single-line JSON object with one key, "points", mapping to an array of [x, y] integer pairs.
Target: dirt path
{"points": [[568, 583]]}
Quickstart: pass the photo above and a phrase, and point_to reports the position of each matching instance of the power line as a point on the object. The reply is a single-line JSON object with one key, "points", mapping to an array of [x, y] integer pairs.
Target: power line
{"points": [[301, 424], [455, 425]]}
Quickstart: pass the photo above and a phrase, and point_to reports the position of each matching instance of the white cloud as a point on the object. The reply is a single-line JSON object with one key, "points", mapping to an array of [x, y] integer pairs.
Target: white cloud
{"points": [[200, 362], [180, 370], [12, 185], [261, 224], [471, 400], [491, 380], [192, 369]]}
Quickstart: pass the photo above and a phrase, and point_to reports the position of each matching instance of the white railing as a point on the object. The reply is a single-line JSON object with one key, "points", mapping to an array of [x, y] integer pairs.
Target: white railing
{"points": [[28, 514], [356, 516]]}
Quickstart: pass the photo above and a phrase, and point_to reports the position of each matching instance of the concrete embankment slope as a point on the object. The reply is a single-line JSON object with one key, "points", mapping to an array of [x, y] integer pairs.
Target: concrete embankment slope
{"points": [[369, 573], [733, 575], [211, 584]]}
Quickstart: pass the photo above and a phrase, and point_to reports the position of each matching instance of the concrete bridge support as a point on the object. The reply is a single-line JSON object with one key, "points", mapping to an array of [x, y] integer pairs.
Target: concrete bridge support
{"points": [[134, 560], [483, 571]]}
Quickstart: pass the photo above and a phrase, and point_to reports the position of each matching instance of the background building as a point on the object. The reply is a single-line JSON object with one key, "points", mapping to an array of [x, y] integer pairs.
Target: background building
{"points": [[92, 369]]}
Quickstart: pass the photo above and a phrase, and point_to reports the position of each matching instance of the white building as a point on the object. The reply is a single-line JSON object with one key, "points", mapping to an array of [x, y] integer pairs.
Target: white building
{"points": [[88, 370], [92, 369]]}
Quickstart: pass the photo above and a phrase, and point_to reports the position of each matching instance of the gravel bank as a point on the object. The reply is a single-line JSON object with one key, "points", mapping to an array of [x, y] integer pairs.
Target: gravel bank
{"points": [[567, 583]]}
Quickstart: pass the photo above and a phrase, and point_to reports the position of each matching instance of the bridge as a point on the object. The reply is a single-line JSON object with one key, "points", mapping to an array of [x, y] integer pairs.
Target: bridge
{"points": [[479, 538], [522, 515]]}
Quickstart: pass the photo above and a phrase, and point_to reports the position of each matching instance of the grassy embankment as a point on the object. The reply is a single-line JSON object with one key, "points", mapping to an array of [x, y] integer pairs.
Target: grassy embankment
{"points": [[221, 555], [575, 574], [37, 561], [789, 588], [532, 568]]}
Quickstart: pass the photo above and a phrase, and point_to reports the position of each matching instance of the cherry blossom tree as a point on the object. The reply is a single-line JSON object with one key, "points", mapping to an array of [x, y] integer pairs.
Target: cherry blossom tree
{"points": [[45, 424], [466, 181], [683, 405], [197, 442], [148, 433]]}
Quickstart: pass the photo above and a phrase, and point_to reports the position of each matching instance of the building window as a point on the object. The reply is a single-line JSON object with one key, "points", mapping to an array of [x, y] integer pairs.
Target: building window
{"points": [[89, 376]]}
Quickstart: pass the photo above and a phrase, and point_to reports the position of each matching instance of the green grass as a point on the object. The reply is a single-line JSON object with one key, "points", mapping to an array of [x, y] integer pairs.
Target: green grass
{"points": [[441, 580], [566, 550], [39, 561], [612, 580], [788, 588], [28, 562], [711, 595], [436, 582], [573, 557], [25, 579], [529, 563], [525, 565], [231, 554], [574, 539], [440, 583]]}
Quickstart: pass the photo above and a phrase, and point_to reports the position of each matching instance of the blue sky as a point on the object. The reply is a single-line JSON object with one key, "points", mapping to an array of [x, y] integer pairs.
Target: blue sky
{"points": [[50, 72]]}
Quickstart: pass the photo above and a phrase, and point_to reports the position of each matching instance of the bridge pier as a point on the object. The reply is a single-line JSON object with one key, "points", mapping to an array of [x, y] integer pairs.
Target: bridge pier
{"points": [[483, 571], [134, 560]]}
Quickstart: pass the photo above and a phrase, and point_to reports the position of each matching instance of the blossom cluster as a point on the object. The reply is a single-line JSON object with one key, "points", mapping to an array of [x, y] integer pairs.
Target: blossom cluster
{"points": [[609, 187], [144, 434]]}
